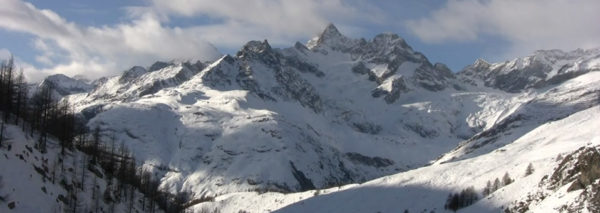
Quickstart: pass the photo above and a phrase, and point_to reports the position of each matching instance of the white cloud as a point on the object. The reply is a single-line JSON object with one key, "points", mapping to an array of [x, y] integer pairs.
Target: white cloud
{"points": [[147, 35], [98, 51], [526, 24], [281, 21]]}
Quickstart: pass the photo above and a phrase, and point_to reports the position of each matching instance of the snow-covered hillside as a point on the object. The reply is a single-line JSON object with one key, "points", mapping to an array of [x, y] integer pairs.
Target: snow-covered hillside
{"points": [[31, 181], [259, 130], [431, 185]]}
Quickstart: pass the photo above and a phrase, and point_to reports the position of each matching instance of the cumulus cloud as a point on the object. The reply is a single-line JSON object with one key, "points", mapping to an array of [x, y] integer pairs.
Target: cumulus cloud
{"points": [[527, 25], [282, 21], [98, 51], [148, 33]]}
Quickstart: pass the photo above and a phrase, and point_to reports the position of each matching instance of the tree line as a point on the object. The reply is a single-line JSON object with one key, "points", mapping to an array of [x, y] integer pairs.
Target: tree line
{"points": [[42, 116], [469, 196], [117, 163], [40, 112]]}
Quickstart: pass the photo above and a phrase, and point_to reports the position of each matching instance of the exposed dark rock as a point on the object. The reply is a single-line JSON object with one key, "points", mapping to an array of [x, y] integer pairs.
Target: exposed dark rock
{"points": [[360, 68], [132, 74], [185, 73], [91, 111], [581, 168], [368, 128], [421, 130], [302, 66], [303, 181], [376, 162], [298, 89], [159, 65]]}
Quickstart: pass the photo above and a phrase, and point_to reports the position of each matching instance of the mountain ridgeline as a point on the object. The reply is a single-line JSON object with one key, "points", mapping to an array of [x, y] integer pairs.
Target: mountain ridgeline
{"points": [[330, 112]]}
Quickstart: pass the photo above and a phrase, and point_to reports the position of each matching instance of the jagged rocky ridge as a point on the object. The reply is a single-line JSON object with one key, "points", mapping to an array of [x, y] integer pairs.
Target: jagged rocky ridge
{"points": [[542, 69], [335, 111]]}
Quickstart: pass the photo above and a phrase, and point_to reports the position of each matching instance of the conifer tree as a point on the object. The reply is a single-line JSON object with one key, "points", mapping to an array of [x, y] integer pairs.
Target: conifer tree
{"points": [[506, 180], [96, 140], [529, 170], [21, 96], [7, 74], [487, 189], [496, 185], [2, 137]]}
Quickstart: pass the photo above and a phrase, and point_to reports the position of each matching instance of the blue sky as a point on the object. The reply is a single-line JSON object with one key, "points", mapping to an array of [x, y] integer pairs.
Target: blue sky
{"points": [[99, 38]]}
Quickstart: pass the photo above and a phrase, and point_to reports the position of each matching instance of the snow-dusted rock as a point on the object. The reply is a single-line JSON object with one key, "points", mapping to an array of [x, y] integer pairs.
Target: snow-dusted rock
{"points": [[543, 68]]}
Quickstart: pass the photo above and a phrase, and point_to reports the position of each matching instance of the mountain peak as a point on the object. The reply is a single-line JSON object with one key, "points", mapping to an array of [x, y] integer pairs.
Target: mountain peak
{"points": [[331, 37], [64, 85], [57, 77], [330, 31], [157, 66], [137, 71], [480, 62], [254, 49]]}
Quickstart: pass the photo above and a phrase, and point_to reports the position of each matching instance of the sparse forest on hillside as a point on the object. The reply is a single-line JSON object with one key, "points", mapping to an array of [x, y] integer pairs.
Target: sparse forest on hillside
{"points": [[45, 118]]}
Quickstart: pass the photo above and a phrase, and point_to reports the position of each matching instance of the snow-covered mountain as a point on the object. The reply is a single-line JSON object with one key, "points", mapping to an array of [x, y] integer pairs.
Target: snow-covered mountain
{"points": [[337, 111], [64, 85], [543, 68], [342, 111]]}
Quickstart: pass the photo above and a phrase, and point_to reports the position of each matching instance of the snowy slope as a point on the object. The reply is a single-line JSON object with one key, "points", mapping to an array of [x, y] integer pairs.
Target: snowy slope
{"points": [[432, 184], [531, 110], [27, 178]]}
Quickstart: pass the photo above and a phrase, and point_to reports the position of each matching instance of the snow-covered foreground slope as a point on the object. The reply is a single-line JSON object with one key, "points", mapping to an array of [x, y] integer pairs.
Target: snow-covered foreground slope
{"points": [[35, 182]]}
